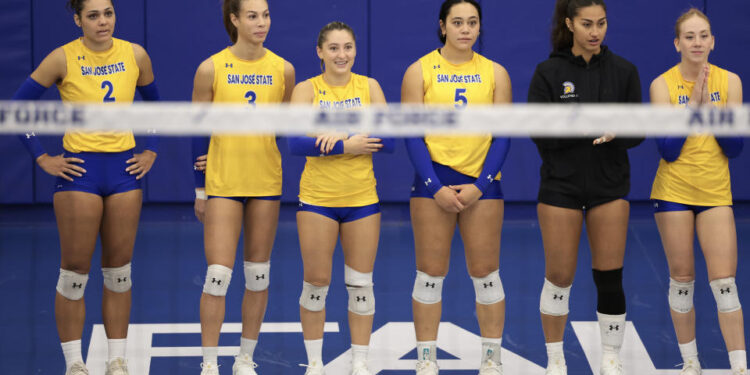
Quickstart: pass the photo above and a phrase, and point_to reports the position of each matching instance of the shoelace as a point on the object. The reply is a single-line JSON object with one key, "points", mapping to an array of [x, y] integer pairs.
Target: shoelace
{"points": [[244, 360], [612, 365], [78, 368], [491, 365], [360, 368], [314, 366], [210, 367], [424, 365]]}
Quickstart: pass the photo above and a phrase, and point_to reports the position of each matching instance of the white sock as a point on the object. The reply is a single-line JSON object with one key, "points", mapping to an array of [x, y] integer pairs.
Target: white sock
{"points": [[72, 352], [247, 347], [612, 329], [491, 349], [427, 351], [359, 353], [738, 360], [555, 353], [314, 350], [116, 348], [210, 354], [689, 352]]}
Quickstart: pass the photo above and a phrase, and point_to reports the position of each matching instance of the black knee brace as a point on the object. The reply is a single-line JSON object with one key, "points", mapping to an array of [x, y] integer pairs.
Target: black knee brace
{"points": [[611, 297]]}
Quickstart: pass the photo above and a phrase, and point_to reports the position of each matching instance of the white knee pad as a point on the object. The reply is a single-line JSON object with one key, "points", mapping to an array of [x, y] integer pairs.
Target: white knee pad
{"points": [[217, 280], [71, 285], [257, 276], [489, 289], [725, 294], [681, 295], [360, 288], [117, 279], [428, 289], [313, 297], [554, 300]]}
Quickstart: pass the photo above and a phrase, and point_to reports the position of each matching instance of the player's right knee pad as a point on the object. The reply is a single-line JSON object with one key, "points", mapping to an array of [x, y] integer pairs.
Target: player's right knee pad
{"points": [[489, 289], [313, 297], [217, 280], [428, 289], [681, 295], [725, 294], [257, 276], [71, 284], [554, 300], [361, 295], [117, 279]]}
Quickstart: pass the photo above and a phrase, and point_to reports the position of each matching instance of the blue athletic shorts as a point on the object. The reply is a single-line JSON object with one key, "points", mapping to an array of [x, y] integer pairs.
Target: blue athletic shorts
{"points": [[341, 214], [105, 174], [244, 200], [666, 206], [449, 176]]}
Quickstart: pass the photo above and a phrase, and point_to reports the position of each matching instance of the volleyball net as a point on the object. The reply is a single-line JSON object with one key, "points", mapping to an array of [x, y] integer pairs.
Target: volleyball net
{"points": [[517, 120]]}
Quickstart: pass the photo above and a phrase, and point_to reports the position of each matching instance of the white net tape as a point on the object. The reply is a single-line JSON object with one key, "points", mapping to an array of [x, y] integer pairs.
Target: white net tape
{"points": [[172, 118]]}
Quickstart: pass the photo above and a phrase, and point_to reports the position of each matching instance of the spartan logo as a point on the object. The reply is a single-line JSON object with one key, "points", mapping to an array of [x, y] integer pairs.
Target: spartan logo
{"points": [[568, 88]]}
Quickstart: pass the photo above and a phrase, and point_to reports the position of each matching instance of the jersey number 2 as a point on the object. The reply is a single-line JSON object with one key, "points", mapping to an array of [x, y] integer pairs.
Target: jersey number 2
{"points": [[109, 87], [250, 96], [460, 99]]}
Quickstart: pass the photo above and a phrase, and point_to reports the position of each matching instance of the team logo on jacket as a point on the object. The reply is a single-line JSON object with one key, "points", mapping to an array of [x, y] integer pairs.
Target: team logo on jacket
{"points": [[569, 90]]}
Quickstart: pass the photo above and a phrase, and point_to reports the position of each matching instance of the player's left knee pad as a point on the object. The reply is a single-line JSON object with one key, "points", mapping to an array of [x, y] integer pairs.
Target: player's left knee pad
{"points": [[71, 284], [489, 289], [428, 289], [725, 293], [610, 295], [257, 276], [117, 279], [681, 295], [361, 296], [313, 297], [554, 299], [217, 280]]}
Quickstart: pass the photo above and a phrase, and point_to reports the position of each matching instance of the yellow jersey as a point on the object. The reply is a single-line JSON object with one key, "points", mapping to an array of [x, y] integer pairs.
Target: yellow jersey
{"points": [[470, 83], [700, 175], [240, 165], [339, 180], [99, 77]]}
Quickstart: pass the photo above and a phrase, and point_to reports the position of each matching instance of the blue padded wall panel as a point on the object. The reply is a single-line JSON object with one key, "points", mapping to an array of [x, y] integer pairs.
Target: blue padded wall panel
{"points": [[16, 175], [171, 177], [15, 59], [44, 184]]}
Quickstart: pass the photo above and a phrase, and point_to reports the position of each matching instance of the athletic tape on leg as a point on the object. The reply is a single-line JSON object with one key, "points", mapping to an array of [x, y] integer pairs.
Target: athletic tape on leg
{"points": [[554, 300], [117, 279], [360, 288], [428, 289], [681, 295], [257, 276], [489, 289], [71, 284], [313, 297], [217, 280], [725, 294]]}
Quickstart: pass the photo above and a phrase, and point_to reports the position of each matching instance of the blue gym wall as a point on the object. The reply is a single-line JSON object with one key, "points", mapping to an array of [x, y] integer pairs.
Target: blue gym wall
{"points": [[391, 34]]}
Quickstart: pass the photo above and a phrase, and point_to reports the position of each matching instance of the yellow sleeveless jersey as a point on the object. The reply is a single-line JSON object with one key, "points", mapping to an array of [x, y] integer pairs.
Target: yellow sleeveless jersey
{"points": [[99, 77], [339, 180], [700, 175], [471, 83], [239, 165]]}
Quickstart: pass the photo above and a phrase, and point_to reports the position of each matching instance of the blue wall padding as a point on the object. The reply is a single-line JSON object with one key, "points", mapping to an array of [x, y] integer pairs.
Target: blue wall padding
{"points": [[391, 34]]}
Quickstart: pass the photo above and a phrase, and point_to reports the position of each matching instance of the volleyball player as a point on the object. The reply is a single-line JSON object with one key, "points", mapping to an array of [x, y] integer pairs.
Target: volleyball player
{"points": [[338, 198], [692, 193], [584, 178], [457, 183], [98, 186], [240, 197]]}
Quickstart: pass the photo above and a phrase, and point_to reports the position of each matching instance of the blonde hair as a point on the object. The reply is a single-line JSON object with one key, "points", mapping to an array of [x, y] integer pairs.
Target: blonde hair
{"points": [[686, 16]]}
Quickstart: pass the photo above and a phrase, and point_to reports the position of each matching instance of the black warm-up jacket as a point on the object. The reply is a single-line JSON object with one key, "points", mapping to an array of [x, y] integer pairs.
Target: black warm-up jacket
{"points": [[575, 165]]}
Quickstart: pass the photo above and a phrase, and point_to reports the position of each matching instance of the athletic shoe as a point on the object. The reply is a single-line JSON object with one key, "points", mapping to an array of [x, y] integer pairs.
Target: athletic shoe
{"points": [[489, 367], [243, 365], [209, 369], [360, 368], [117, 366], [611, 366], [556, 369], [315, 368], [427, 368], [77, 368], [691, 368], [740, 371]]}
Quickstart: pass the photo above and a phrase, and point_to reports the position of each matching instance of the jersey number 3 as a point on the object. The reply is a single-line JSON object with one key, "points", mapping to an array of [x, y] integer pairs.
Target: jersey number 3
{"points": [[110, 88], [460, 98]]}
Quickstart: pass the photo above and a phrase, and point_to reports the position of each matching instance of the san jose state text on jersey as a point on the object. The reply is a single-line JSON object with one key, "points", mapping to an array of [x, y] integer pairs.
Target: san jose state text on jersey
{"points": [[459, 78], [344, 104], [103, 70], [250, 79]]}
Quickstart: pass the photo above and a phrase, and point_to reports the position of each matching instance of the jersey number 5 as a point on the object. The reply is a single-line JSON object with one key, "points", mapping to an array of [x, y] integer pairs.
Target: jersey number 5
{"points": [[460, 98], [250, 96], [109, 87]]}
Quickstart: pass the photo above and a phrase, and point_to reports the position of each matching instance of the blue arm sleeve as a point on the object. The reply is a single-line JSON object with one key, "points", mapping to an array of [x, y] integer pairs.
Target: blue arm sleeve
{"points": [[389, 144], [493, 162], [150, 93], [420, 159], [732, 146], [200, 147], [305, 146], [30, 90], [670, 147]]}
